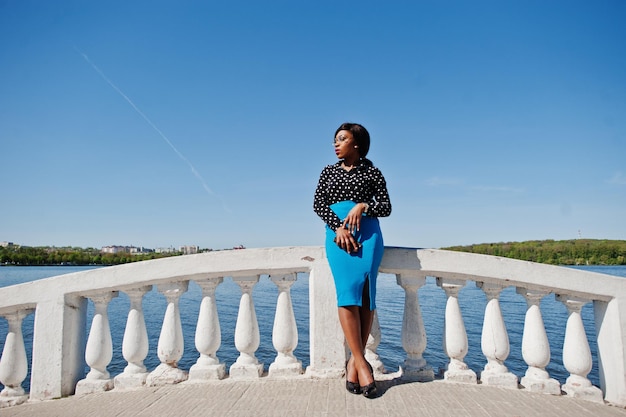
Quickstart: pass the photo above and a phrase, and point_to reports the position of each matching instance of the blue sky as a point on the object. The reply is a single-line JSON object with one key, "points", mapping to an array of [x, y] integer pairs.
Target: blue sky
{"points": [[166, 123]]}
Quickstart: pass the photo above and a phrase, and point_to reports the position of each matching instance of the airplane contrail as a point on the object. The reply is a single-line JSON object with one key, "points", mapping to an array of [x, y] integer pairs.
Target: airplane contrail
{"points": [[147, 119]]}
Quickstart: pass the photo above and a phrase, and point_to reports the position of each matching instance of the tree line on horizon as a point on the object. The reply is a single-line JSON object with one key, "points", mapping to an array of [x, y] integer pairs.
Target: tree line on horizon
{"points": [[555, 252], [561, 252], [40, 256]]}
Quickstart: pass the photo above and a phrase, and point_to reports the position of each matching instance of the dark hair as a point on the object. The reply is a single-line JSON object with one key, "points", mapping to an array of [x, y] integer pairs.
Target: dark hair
{"points": [[360, 134]]}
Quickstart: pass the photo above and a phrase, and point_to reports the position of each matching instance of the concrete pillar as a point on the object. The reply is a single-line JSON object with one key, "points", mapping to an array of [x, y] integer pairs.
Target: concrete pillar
{"points": [[455, 343], [536, 348], [208, 335], [58, 347], [135, 343], [495, 341], [13, 363], [326, 339], [99, 350], [577, 354], [413, 331], [285, 331], [247, 336], [171, 343]]}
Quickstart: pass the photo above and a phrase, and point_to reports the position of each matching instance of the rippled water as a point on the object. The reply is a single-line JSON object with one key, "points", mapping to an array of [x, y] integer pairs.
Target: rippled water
{"points": [[390, 308]]}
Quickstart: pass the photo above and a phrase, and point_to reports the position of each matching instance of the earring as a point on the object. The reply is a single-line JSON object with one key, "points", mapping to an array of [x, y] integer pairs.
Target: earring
{"points": [[355, 146]]}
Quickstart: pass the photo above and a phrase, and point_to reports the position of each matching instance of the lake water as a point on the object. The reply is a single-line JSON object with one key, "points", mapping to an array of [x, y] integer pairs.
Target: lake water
{"points": [[390, 303]]}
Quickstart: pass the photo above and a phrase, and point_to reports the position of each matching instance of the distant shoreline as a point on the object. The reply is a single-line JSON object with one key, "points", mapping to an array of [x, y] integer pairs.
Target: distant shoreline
{"points": [[555, 252]]}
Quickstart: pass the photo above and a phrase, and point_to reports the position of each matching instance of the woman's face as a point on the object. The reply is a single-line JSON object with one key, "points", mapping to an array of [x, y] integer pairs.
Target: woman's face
{"points": [[345, 145]]}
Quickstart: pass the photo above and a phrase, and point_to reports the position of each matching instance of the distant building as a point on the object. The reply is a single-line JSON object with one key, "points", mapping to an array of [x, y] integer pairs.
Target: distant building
{"points": [[133, 250], [188, 250], [6, 244], [140, 250], [165, 250], [117, 249]]}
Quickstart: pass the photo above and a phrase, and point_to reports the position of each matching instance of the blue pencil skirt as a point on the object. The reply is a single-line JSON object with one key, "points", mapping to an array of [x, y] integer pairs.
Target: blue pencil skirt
{"points": [[352, 270]]}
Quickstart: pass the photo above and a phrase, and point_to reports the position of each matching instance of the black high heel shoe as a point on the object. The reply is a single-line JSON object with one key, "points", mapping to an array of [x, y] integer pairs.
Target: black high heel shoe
{"points": [[352, 387], [370, 390]]}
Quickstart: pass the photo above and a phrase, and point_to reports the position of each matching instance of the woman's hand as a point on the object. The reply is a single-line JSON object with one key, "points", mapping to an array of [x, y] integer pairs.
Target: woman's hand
{"points": [[353, 220], [345, 240], [351, 224]]}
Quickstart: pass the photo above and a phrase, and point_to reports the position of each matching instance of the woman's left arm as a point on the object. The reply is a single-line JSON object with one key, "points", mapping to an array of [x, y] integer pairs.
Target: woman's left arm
{"points": [[381, 206]]}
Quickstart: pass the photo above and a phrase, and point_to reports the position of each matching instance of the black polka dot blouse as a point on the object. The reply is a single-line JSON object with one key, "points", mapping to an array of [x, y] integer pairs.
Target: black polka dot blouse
{"points": [[362, 184]]}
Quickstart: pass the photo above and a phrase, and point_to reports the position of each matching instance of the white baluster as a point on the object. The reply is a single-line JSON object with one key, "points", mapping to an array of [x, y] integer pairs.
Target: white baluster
{"points": [[373, 340], [135, 343], [14, 363], [495, 341], [285, 331], [413, 331], [171, 343], [577, 354], [536, 348], [247, 336], [455, 336], [99, 349], [208, 335]]}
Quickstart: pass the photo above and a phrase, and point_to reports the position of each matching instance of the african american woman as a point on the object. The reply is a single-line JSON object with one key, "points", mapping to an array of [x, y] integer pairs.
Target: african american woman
{"points": [[350, 196]]}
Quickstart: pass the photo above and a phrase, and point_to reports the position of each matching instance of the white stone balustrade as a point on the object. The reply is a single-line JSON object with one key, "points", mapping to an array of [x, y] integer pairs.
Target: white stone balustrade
{"points": [[285, 330], [413, 331], [247, 335], [61, 310], [495, 341], [135, 343], [455, 336], [171, 343], [13, 364], [576, 353], [208, 335], [536, 347], [99, 349]]}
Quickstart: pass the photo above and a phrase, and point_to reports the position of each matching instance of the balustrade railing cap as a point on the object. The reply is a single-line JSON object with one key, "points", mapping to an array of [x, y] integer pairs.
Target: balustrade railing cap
{"points": [[275, 261]]}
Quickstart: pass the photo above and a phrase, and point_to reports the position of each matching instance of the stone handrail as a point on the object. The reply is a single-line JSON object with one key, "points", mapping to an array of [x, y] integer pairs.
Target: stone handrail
{"points": [[61, 345]]}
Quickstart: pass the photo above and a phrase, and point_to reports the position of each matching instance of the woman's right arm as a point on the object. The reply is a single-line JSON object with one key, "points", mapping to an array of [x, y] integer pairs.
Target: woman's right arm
{"points": [[321, 204]]}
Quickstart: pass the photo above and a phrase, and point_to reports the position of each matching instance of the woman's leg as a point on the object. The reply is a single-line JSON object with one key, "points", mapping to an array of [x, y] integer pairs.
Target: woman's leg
{"points": [[350, 324], [350, 320], [356, 323], [366, 315]]}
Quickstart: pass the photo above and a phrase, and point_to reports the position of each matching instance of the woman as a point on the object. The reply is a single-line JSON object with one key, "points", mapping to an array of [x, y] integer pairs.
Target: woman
{"points": [[350, 196]]}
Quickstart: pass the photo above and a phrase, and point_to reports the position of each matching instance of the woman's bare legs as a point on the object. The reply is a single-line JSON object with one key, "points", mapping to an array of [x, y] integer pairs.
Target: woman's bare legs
{"points": [[350, 320], [356, 323]]}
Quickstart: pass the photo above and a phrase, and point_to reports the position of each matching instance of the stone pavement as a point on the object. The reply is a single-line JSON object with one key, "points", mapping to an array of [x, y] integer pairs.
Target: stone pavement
{"points": [[314, 397]]}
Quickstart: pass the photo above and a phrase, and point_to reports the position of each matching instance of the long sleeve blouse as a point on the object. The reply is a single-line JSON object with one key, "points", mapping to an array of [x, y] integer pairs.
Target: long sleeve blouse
{"points": [[362, 184]]}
